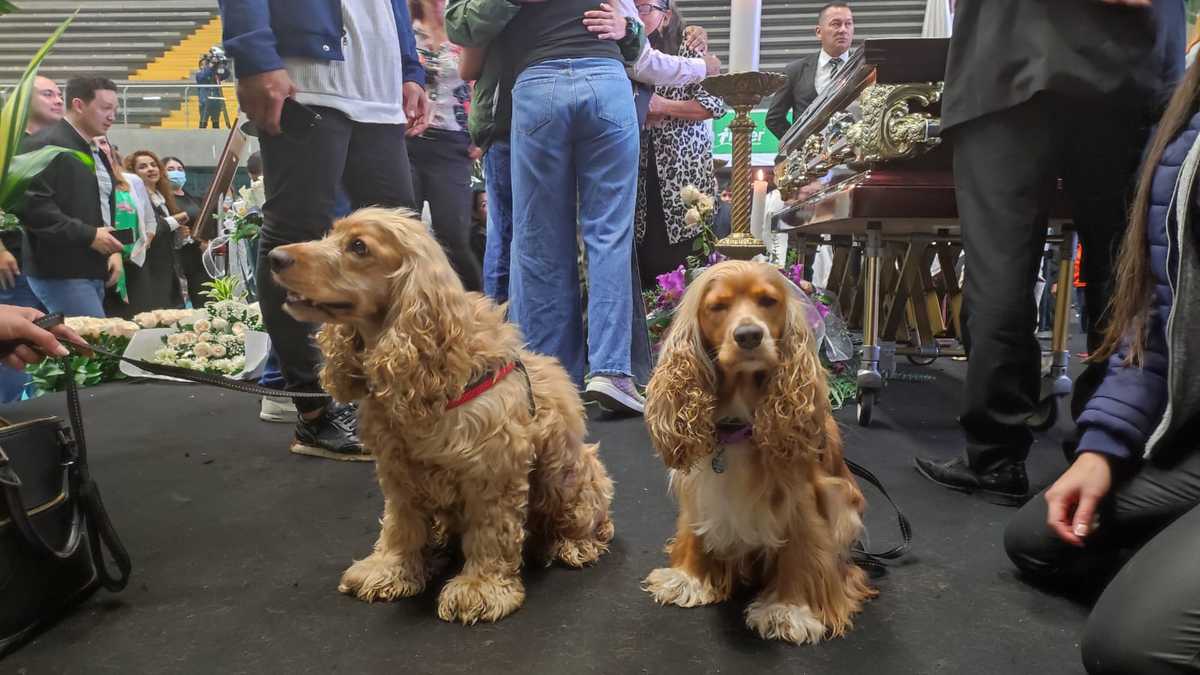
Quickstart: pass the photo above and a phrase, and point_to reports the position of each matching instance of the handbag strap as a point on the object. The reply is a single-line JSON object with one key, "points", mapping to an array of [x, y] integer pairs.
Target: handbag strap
{"points": [[878, 559], [20, 517]]}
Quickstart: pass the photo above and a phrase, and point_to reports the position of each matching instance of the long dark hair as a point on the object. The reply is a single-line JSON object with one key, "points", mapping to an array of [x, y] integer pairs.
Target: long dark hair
{"points": [[1129, 309], [668, 38]]}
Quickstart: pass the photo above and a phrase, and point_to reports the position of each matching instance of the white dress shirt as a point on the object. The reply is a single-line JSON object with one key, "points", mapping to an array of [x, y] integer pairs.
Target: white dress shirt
{"points": [[656, 68], [824, 71]]}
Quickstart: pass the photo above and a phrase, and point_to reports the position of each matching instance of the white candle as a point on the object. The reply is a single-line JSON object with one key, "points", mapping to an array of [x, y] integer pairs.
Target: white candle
{"points": [[758, 207], [745, 19]]}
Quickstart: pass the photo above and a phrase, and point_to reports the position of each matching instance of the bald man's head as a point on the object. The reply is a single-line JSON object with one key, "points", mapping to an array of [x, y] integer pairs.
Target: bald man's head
{"points": [[45, 106]]}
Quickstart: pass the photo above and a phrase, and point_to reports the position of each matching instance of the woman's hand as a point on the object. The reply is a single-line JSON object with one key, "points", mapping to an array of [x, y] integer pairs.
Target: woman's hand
{"points": [[1071, 502], [474, 152], [181, 218], [607, 23], [184, 231], [115, 267], [695, 38], [16, 323], [9, 269], [416, 109]]}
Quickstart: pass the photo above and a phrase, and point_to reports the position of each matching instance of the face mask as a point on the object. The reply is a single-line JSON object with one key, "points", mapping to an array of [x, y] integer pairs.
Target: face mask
{"points": [[177, 177]]}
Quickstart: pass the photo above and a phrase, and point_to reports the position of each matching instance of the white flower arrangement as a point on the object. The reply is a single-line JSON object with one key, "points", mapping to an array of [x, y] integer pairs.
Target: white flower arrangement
{"points": [[214, 342], [164, 318], [90, 328], [701, 207]]}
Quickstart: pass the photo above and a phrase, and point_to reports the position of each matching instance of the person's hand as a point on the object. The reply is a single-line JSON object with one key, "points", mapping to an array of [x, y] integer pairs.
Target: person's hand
{"points": [[16, 323], [185, 231], [9, 269], [182, 218], [712, 64], [105, 242], [695, 38], [115, 267], [416, 109], [1071, 502], [606, 23], [474, 152], [261, 97], [658, 107]]}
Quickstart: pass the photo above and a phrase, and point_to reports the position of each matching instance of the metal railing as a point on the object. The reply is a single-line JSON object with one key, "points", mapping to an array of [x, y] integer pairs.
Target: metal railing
{"points": [[142, 92]]}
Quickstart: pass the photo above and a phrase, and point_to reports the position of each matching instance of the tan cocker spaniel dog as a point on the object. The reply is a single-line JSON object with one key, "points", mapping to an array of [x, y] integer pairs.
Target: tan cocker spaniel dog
{"points": [[472, 434], [739, 411]]}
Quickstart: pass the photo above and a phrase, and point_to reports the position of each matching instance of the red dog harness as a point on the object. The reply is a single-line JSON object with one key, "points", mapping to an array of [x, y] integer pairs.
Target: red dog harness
{"points": [[488, 380]]}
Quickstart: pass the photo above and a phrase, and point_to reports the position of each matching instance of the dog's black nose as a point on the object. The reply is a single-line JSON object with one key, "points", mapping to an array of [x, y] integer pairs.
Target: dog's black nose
{"points": [[748, 337], [280, 260]]}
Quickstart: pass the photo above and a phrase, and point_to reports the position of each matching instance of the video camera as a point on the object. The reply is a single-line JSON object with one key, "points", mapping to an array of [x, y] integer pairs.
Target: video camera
{"points": [[216, 60]]}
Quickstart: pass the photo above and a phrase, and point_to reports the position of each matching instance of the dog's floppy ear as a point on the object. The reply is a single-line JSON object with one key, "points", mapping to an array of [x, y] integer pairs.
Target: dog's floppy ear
{"points": [[682, 394], [792, 417], [421, 360], [342, 375]]}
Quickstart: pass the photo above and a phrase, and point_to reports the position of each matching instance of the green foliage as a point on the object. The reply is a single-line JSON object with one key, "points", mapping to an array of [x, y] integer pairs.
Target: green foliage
{"points": [[15, 170], [51, 375], [247, 227], [224, 288]]}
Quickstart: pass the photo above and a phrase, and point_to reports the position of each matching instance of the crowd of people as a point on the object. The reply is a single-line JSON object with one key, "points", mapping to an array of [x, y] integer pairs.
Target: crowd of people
{"points": [[589, 119]]}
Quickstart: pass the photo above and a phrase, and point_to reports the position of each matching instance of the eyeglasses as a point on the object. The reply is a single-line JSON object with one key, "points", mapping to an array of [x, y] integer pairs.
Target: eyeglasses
{"points": [[646, 9]]}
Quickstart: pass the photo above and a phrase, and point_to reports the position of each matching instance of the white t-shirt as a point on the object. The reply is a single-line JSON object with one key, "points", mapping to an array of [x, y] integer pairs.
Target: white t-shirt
{"points": [[369, 84]]}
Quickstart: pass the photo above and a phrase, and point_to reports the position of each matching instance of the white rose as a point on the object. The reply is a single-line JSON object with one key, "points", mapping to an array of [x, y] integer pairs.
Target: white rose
{"points": [[218, 351], [692, 217], [238, 363], [146, 320], [239, 329], [219, 324], [187, 338], [706, 204], [203, 350], [689, 194], [186, 363], [202, 326]]}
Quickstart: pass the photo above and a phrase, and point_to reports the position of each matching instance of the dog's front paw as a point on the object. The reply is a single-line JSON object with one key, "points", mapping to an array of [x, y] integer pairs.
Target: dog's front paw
{"points": [[383, 577], [783, 621], [469, 599], [673, 586], [578, 552]]}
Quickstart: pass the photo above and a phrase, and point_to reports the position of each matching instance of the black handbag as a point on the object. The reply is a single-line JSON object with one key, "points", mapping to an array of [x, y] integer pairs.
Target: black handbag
{"points": [[53, 526]]}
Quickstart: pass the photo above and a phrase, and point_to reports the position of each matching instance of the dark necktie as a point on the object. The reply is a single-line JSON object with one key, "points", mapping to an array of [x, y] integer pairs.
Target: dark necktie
{"points": [[834, 66]]}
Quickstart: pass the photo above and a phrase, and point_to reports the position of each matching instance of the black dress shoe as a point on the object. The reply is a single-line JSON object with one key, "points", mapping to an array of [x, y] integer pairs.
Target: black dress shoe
{"points": [[1008, 482]]}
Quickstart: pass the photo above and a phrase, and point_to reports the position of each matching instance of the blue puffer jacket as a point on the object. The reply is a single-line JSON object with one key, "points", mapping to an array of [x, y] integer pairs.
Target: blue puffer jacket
{"points": [[1128, 406], [258, 34]]}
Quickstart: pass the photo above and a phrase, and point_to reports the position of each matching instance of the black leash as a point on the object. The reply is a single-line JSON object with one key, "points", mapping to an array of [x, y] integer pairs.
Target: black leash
{"points": [[878, 560]]}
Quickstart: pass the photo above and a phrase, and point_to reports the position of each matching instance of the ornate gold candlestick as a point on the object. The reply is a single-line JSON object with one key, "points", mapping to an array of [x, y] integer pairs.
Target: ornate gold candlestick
{"points": [[742, 91]]}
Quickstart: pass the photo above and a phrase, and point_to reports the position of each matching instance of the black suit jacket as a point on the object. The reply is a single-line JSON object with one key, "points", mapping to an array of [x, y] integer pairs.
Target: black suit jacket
{"points": [[796, 95], [1003, 52], [61, 211]]}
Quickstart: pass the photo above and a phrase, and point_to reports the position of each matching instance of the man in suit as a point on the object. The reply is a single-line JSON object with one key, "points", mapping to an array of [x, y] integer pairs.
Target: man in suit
{"points": [[810, 76], [1037, 91], [70, 254]]}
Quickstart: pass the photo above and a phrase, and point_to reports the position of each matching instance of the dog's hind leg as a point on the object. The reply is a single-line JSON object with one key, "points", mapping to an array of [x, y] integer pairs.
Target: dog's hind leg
{"points": [[573, 496], [489, 587]]}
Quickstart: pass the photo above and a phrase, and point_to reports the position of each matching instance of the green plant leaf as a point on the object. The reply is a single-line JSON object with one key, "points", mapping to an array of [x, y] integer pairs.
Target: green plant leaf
{"points": [[16, 108], [7, 7], [24, 167]]}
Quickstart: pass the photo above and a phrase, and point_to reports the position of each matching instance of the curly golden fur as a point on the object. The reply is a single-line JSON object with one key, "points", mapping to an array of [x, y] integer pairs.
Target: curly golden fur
{"points": [[402, 337], [783, 511]]}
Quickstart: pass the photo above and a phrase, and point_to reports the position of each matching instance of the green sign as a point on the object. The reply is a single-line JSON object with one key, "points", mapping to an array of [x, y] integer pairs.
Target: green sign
{"points": [[763, 142]]}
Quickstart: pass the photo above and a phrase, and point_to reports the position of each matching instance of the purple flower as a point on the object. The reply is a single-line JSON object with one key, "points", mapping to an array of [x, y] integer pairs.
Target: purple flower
{"points": [[796, 274], [714, 258], [672, 285], [822, 309]]}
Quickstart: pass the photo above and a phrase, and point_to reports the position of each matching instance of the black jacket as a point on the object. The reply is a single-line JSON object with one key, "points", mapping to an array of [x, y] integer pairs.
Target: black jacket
{"points": [[796, 95], [1002, 53], [61, 211]]}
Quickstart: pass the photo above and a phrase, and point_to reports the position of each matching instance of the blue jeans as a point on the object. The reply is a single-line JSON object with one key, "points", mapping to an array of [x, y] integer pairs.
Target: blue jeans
{"points": [[13, 382], [574, 164], [72, 297], [497, 172], [272, 377]]}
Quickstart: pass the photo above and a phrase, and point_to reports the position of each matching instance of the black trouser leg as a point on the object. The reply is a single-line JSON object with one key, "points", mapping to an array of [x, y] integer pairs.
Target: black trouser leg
{"points": [[1149, 616], [1148, 619], [442, 176], [191, 266], [301, 179], [1004, 171]]}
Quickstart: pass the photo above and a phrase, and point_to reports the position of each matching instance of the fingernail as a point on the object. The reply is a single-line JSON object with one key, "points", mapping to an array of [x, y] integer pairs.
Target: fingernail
{"points": [[1081, 530], [60, 350]]}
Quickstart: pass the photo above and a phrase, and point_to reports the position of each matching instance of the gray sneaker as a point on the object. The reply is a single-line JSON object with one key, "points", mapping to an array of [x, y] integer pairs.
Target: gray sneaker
{"points": [[333, 435], [615, 394]]}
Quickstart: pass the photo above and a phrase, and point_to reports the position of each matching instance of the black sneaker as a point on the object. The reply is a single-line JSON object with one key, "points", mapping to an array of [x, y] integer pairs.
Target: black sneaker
{"points": [[1008, 482], [333, 435]]}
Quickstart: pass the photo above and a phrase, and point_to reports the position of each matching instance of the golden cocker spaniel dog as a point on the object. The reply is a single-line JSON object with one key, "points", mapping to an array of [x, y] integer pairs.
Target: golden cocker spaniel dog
{"points": [[472, 434], [739, 411]]}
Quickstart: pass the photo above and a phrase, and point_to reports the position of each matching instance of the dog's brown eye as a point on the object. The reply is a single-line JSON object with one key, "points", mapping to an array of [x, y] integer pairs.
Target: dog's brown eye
{"points": [[767, 301], [718, 307], [358, 247]]}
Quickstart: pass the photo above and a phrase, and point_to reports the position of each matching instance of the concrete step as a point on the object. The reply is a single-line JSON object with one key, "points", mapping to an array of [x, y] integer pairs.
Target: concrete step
{"points": [[28, 47]]}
